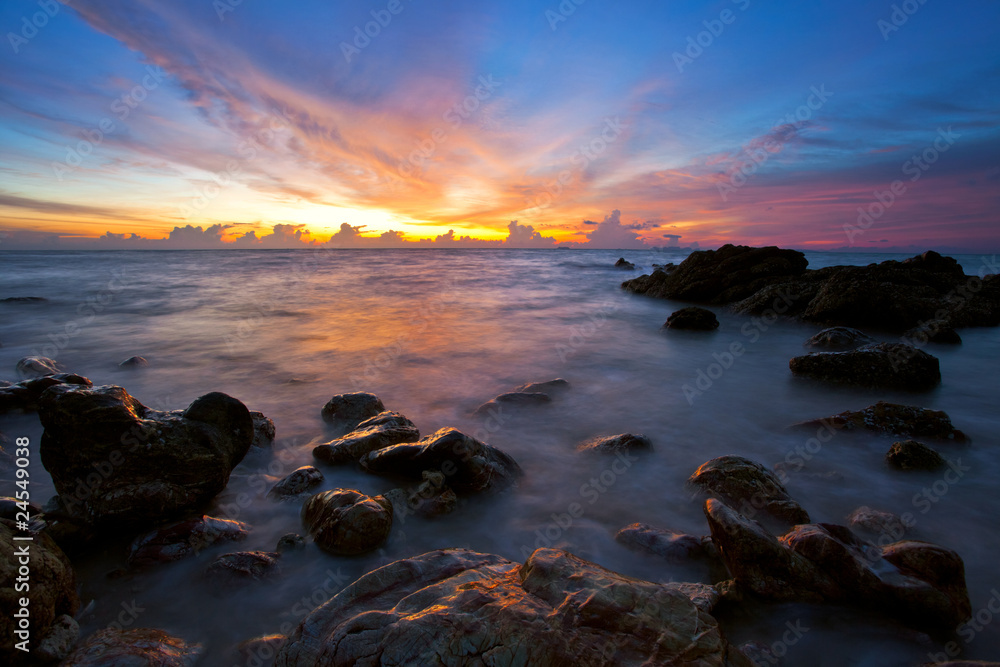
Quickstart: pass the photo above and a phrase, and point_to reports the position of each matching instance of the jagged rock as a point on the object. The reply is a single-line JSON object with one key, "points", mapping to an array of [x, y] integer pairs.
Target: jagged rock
{"points": [[296, 482], [692, 318], [546, 387], [24, 395], [345, 522], [612, 444], [184, 538], [749, 487], [913, 455], [893, 419], [877, 366], [556, 609], [52, 592], [935, 331], [511, 399], [349, 410], [241, 567], [922, 584], [35, 367], [263, 430], [839, 339], [115, 461], [382, 430], [137, 646], [471, 466], [134, 362], [622, 264]]}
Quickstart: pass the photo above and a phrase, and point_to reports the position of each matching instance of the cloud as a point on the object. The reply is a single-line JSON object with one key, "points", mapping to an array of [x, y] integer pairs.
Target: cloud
{"points": [[610, 233], [525, 236]]}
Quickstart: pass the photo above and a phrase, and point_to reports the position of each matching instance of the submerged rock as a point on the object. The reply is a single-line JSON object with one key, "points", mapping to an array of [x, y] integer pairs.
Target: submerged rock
{"points": [[469, 465], [382, 430], [877, 366], [511, 399], [545, 387], [134, 362], [23, 299], [241, 567], [913, 455], [290, 542], [893, 419], [184, 538], [692, 318], [349, 410], [877, 522], [556, 609], [345, 522], [612, 444], [664, 543], [263, 430], [935, 331], [622, 264], [749, 487], [839, 339], [34, 367], [432, 497], [116, 462], [296, 482], [136, 646], [24, 395]]}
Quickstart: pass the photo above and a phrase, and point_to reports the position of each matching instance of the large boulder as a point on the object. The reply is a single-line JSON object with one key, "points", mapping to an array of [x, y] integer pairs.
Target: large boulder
{"points": [[183, 539], [345, 522], [921, 584], [116, 462], [382, 430], [458, 607], [471, 466], [692, 318], [349, 410], [893, 419], [749, 487], [24, 395], [877, 366], [52, 593], [141, 647]]}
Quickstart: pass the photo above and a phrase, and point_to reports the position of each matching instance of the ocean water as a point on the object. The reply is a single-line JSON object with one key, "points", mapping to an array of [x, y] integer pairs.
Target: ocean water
{"points": [[435, 333]]}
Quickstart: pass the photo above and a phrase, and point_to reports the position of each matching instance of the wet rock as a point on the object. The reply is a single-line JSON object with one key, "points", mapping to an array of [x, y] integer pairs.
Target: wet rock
{"points": [[511, 399], [622, 264], [556, 609], [184, 538], [728, 274], [839, 339], [471, 466], [345, 522], [382, 430], [296, 482], [290, 542], [877, 523], [664, 543], [546, 387], [935, 331], [430, 498], [24, 299], [137, 646], [260, 651], [263, 430], [24, 395], [349, 410], [913, 455], [115, 461], [34, 367], [893, 419], [241, 567], [749, 487], [59, 641], [877, 366], [134, 362], [52, 593], [692, 318], [613, 444], [921, 584]]}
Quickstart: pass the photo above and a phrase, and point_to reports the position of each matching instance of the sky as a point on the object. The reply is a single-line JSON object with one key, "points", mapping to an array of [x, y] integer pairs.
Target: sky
{"points": [[856, 124]]}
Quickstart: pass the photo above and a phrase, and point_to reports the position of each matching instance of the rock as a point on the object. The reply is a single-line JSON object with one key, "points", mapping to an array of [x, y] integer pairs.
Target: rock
{"points": [[749, 487], [430, 498], [692, 318], [184, 538], [134, 362], [622, 264], [921, 584], [34, 367], [141, 466], [345, 522], [52, 593], [912, 455], [556, 609], [471, 466], [260, 651], [935, 331], [296, 482], [877, 522], [241, 567], [351, 409], [60, 640], [136, 646], [664, 543], [263, 430], [382, 430], [24, 395], [839, 339], [893, 419], [876, 366], [290, 542], [720, 276], [511, 399], [546, 387], [612, 444], [23, 299]]}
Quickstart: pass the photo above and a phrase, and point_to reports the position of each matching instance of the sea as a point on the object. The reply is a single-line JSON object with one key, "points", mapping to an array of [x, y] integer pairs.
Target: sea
{"points": [[437, 332]]}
